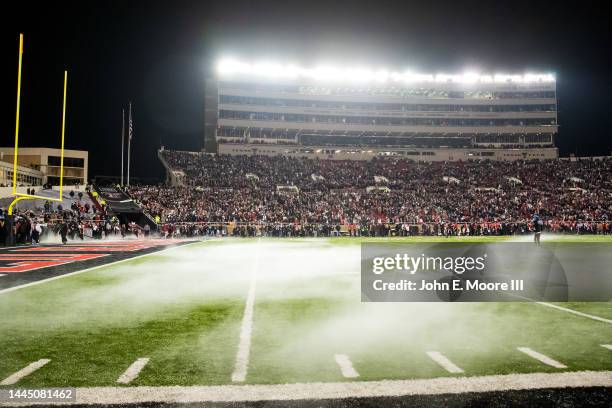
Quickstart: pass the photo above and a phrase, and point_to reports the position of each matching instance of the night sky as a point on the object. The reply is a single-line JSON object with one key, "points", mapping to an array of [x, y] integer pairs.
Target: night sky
{"points": [[157, 56]]}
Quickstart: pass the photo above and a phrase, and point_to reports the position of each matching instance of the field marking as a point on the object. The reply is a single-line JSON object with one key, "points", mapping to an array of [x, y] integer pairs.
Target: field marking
{"points": [[133, 371], [246, 328], [2, 274], [29, 369], [565, 309], [607, 346], [541, 357], [346, 366], [344, 389], [38, 282], [444, 362]]}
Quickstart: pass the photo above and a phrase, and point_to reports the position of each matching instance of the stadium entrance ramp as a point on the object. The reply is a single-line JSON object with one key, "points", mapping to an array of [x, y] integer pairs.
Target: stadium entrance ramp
{"points": [[123, 206]]}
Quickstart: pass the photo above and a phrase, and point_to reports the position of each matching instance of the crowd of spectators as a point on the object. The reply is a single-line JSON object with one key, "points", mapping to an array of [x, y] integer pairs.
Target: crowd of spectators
{"points": [[48, 223], [379, 197]]}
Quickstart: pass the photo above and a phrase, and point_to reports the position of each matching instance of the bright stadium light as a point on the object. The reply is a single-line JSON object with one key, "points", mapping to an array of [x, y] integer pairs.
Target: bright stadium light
{"points": [[470, 78], [269, 69], [358, 74], [413, 77], [398, 76], [381, 76], [329, 73], [292, 71], [325, 73], [502, 78], [448, 78], [441, 78], [230, 66]]}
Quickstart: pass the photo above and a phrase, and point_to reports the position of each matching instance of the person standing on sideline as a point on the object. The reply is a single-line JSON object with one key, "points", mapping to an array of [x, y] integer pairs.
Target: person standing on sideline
{"points": [[36, 231], [64, 232], [537, 227]]}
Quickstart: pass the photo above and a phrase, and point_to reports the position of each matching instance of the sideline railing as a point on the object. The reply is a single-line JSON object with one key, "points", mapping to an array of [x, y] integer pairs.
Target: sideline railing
{"points": [[402, 228]]}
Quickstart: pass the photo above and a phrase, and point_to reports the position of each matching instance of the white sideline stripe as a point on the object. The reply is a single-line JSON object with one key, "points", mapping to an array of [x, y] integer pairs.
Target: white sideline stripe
{"points": [[246, 329], [444, 362], [132, 372], [13, 378], [541, 357], [348, 371], [2, 274], [565, 309], [344, 389], [7, 290], [608, 346]]}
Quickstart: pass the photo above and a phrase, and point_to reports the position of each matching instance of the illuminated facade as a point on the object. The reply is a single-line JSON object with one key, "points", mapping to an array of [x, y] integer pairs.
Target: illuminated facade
{"points": [[359, 114], [46, 163]]}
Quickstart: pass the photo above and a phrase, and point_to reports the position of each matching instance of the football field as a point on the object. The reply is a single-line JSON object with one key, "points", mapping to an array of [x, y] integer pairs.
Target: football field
{"points": [[282, 311]]}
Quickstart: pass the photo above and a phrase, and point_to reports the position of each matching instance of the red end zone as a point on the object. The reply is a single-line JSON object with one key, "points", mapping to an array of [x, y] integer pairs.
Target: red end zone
{"points": [[112, 246], [25, 259], [29, 262]]}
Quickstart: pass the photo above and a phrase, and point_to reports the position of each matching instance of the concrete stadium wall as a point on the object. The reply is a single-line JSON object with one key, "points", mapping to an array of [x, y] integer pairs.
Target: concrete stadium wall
{"points": [[418, 154], [8, 191]]}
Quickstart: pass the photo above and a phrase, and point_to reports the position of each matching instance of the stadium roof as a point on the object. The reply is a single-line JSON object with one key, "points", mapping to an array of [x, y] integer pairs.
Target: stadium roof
{"points": [[273, 70]]}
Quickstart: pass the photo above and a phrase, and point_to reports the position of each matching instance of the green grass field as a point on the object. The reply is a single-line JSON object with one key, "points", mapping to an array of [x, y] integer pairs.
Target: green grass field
{"points": [[183, 309]]}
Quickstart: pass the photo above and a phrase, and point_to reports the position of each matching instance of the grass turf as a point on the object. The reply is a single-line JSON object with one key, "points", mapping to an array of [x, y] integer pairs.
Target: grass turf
{"points": [[183, 310]]}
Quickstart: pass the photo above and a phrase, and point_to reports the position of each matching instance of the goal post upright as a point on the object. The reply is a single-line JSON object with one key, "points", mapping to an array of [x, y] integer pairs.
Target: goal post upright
{"points": [[21, 196], [61, 186], [17, 114]]}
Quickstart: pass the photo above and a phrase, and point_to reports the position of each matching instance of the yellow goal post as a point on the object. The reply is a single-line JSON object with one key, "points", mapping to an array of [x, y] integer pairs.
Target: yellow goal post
{"points": [[22, 196]]}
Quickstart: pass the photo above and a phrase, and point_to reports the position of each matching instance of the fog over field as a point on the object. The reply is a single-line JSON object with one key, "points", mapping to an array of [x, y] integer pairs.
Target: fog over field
{"points": [[185, 309]]}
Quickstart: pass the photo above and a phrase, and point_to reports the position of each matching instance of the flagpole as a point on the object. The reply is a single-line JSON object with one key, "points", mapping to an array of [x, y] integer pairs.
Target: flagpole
{"points": [[122, 142], [129, 144]]}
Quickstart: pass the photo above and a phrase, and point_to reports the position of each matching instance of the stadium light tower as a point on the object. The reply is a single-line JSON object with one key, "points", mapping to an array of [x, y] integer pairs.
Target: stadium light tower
{"points": [[331, 73]]}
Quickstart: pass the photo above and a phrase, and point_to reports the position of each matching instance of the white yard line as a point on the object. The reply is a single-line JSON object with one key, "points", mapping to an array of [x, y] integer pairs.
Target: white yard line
{"points": [[444, 362], [565, 309], [541, 357], [13, 378], [345, 389], [132, 372], [346, 366], [7, 290], [244, 346], [608, 346]]}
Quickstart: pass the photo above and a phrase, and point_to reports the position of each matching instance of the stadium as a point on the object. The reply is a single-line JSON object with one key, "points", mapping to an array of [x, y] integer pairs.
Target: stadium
{"points": [[343, 236]]}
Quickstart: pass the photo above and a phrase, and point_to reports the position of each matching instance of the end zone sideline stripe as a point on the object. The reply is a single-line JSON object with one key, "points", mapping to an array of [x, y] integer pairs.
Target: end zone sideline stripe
{"points": [[576, 312], [338, 390], [7, 290], [565, 309]]}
